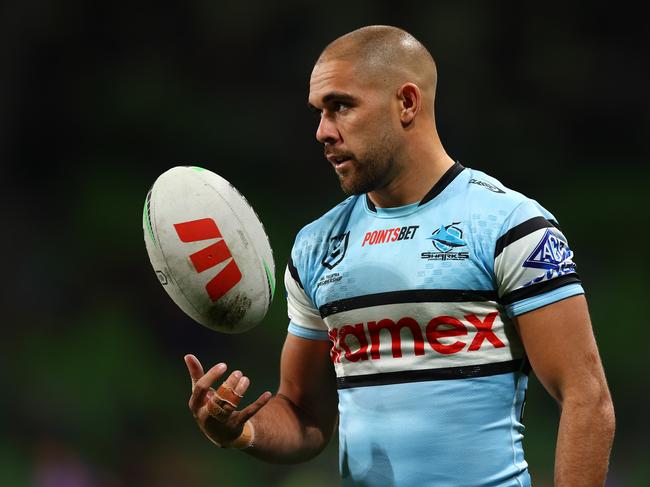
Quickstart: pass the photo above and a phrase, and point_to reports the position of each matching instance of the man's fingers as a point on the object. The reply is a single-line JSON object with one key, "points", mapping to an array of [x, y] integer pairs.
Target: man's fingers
{"points": [[227, 396], [194, 367], [249, 411], [202, 385], [233, 379], [242, 386]]}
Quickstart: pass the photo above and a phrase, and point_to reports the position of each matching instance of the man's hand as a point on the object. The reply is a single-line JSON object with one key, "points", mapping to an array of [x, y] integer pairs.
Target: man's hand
{"points": [[215, 410], [290, 427]]}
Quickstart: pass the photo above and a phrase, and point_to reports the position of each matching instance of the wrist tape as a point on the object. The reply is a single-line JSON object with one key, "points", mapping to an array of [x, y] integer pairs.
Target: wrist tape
{"points": [[245, 440]]}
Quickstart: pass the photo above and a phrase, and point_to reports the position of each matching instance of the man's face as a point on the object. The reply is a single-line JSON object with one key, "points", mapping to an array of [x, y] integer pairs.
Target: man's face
{"points": [[357, 130]]}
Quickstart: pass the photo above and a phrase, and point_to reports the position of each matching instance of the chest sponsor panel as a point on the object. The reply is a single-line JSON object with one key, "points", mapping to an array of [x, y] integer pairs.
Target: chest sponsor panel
{"points": [[418, 336], [389, 235]]}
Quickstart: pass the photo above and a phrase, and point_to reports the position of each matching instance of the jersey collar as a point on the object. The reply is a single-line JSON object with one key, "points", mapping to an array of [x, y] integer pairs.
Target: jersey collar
{"points": [[438, 188]]}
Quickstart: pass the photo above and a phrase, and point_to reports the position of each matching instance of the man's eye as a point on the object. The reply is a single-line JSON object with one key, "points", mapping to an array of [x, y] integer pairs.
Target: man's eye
{"points": [[340, 107]]}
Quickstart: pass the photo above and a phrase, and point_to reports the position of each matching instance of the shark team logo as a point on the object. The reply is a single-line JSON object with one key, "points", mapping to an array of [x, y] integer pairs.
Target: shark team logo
{"points": [[447, 240], [448, 237], [551, 254], [338, 245]]}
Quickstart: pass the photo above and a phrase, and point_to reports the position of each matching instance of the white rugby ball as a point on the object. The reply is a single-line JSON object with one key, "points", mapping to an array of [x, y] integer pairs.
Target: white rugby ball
{"points": [[209, 249]]}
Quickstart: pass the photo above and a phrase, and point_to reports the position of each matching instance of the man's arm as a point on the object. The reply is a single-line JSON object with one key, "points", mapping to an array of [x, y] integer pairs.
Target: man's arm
{"points": [[299, 421], [291, 427], [560, 345]]}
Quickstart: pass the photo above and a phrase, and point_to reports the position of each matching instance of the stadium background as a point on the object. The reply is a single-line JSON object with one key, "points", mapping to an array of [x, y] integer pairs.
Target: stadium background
{"points": [[97, 99]]}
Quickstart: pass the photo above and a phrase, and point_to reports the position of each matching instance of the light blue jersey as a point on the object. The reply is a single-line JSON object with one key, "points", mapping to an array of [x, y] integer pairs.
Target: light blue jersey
{"points": [[418, 304]]}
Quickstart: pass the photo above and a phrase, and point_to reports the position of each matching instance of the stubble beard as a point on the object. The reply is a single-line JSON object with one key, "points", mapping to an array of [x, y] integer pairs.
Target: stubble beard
{"points": [[370, 172]]}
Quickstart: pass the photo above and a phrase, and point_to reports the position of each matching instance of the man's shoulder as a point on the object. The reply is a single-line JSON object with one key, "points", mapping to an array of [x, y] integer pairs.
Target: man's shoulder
{"points": [[320, 237], [488, 190], [328, 222], [490, 195]]}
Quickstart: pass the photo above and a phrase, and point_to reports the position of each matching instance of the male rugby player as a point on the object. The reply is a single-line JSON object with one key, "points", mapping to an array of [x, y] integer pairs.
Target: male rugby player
{"points": [[418, 305]]}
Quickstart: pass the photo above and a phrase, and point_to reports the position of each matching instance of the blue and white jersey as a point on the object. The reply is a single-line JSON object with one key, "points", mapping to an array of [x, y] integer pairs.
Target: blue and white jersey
{"points": [[418, 302]]}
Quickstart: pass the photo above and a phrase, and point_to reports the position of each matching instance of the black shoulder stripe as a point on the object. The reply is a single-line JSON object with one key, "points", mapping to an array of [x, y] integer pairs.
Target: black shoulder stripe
{"points": [[408, 296], [294, 272], [445, 373], [539, 288], [520, 231]]}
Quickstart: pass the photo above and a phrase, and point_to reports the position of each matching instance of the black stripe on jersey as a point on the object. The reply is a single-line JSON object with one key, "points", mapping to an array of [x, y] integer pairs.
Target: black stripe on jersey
{"points": [[443, 182], [440, 185], [539, 288], [445, 373], [520, 231], [294, 272], [409, 296], [371, 205]]}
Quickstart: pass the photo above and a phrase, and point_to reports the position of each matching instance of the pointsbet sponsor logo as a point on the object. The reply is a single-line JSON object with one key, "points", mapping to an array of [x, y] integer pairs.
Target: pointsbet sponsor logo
{"points": [[362, 340], [389, 235]]}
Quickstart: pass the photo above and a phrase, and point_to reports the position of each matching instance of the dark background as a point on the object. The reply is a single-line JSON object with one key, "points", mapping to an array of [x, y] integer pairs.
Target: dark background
{"points": [[98, 98]]}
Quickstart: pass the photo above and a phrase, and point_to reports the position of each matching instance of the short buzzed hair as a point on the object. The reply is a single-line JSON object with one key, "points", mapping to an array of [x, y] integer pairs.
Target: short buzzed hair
{"points": [[386, 53]]}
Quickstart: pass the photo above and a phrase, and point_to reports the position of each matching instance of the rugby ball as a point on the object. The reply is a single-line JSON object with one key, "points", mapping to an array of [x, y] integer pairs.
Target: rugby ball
{"points": [[209, 249]]}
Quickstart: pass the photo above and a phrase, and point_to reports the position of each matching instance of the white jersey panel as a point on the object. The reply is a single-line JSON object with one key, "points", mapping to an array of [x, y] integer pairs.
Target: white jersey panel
{"points": [[300, 309], [418, 336]]}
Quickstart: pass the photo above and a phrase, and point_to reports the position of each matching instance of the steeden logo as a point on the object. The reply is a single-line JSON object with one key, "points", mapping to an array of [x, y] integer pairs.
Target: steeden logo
{"points": [[210, 256]]}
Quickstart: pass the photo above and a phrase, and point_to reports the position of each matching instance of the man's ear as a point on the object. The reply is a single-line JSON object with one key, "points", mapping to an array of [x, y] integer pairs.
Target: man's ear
{"points": [[410, 103]]}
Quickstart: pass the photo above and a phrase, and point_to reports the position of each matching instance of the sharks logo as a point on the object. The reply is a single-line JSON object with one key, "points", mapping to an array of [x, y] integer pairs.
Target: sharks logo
{"points": [[446, 240], [448, 237], [336, 250]]}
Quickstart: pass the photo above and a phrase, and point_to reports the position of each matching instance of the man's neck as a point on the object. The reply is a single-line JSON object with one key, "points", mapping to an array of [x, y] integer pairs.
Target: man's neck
{"points": [[416, 179]]}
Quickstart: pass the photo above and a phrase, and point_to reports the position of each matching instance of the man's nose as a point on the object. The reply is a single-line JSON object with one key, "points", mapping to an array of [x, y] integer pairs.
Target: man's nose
{"points": [[327, 131]]}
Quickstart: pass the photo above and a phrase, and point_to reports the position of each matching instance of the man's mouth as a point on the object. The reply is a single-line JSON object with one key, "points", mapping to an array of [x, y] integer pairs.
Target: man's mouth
{"points": [[338, 160]]}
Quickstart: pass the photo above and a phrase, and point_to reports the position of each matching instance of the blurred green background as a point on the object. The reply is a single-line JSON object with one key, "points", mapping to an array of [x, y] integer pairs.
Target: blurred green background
{"points": [[98, 98]]}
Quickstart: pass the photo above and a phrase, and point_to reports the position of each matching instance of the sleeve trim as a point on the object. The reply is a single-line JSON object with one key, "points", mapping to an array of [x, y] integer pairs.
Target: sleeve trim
{"points": [[550, 297], [309, 334], [539, 288]]}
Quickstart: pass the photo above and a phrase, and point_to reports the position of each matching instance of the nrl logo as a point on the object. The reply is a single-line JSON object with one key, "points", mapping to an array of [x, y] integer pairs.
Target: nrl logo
{"points": [[338, 245]]}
